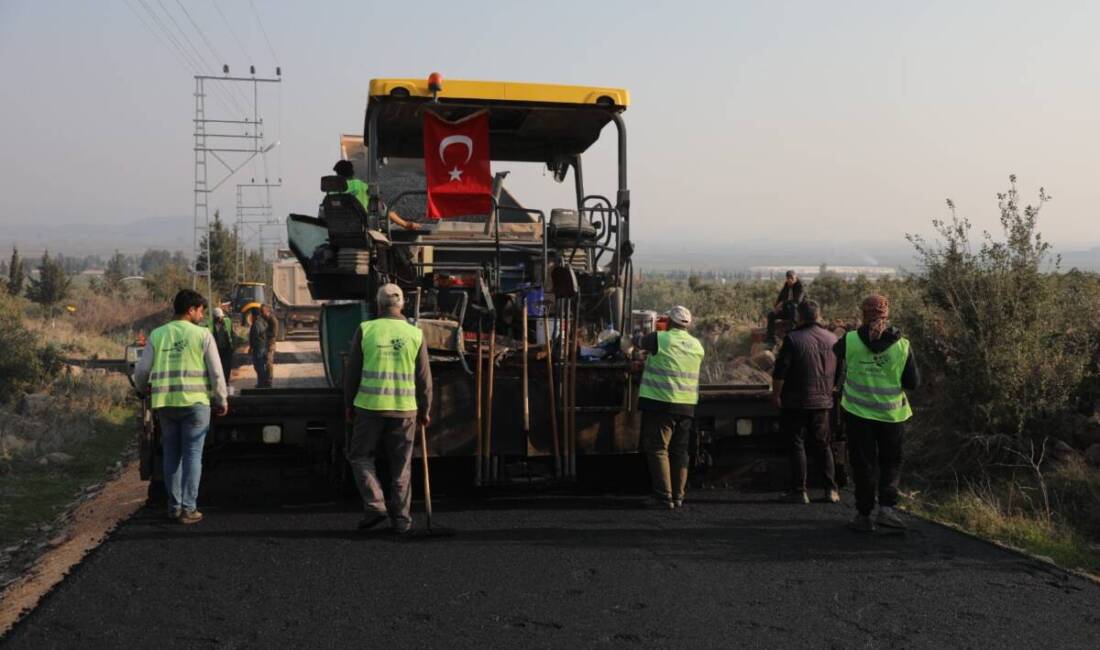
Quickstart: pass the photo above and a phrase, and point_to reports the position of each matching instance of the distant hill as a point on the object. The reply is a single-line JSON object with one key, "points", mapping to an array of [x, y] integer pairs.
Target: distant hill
{"points": [[171, 233], [739, 257]]}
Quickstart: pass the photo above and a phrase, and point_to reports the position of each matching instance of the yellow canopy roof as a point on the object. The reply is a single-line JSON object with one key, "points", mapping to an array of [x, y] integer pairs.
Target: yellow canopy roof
{"points": [[503, 91]]}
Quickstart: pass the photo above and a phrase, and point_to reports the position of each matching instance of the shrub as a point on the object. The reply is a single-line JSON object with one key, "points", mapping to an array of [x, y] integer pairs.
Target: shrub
{"points": [[1008, 339], [25, 362]]}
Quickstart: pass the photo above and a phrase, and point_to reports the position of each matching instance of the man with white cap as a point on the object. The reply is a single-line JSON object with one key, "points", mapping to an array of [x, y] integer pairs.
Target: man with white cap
{"points": [[667, 398], [388, 387], [222, 329]]}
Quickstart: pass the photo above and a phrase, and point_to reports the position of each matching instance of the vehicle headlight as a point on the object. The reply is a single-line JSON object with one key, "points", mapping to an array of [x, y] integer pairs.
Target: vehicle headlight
{"points": [[744, 427], [272, 434]]}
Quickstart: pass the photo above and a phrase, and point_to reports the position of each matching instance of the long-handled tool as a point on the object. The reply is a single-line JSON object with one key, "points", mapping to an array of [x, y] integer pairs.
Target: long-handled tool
{"points": [[487, 471], [550, 384], [429, 531], [480, 425]]}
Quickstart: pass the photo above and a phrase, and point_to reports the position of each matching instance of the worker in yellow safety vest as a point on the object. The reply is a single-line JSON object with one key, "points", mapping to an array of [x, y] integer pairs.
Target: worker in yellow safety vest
{"points": [[388, 390], [358, 189], [181, 372], [877, 366], [667, 397]]}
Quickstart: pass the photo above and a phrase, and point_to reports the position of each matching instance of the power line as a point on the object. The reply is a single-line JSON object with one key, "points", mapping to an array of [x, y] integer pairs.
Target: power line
{"points": [[264, 32], [218, 58], [200, 57], [170, 43], [231, 32], [174, 43]]}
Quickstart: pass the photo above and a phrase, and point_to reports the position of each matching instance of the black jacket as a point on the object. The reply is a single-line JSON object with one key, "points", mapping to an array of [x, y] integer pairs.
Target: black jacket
{"points": [[793, 293], [910, 376], [807, 367]]}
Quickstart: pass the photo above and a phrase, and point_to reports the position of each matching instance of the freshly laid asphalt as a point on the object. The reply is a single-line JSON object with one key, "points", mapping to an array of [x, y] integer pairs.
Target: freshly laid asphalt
{"points": [[731, 569]]}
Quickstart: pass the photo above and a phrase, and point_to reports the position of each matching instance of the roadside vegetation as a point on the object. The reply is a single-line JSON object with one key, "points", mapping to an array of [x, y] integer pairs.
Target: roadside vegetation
{"points": [[1006, 438], [62, 427]]}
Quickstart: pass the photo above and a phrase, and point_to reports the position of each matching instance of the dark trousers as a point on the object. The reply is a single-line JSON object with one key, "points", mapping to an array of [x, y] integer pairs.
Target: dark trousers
{"points": [[395, 436], [666, 441], [872, 443], [802, 426], [226, 357], [786, 311], [262, 365]]}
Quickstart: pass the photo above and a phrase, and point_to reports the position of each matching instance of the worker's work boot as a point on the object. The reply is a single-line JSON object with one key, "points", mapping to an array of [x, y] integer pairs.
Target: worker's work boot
{"points": [[370, 521], [862, 524], [658, 502], [832, 496], [888, 518], [173, 513], [796, 496], [190, 517]]}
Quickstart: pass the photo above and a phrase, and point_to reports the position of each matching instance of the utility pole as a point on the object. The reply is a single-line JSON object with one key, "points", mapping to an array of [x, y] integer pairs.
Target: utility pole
{"points": [[215, 140], [252, 215]]}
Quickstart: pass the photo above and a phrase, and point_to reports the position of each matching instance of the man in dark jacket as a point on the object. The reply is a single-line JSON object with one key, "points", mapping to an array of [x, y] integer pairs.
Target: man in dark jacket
{"points": [[802, 387], [786, 303], [260, 340], [222, 328], [877, 367]]}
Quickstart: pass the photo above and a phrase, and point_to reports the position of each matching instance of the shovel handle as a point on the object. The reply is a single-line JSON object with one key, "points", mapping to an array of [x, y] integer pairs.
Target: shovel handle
{"points": [[427, 480]]}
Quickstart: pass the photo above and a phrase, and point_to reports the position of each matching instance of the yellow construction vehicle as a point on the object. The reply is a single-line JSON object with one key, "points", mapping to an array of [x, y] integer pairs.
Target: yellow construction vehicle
{"points": [[246, 297]]}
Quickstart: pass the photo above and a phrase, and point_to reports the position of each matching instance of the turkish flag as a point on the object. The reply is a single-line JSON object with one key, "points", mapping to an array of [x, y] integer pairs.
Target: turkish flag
{"points": [[456, 165]]}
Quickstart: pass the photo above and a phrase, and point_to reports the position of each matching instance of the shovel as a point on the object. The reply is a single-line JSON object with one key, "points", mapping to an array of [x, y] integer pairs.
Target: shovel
{"points": [[429, 531]]}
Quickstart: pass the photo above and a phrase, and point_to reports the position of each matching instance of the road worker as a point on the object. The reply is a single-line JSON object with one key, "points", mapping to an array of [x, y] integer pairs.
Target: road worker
{"points": [[222, 329], [802, 388], [667, 398], [181, 370], [358, 189], [388, 390], [877, 366]]}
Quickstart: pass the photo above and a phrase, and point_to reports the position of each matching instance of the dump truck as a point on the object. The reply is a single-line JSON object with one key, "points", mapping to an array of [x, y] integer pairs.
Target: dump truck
{"points": [[528, 311], [299, 314]]}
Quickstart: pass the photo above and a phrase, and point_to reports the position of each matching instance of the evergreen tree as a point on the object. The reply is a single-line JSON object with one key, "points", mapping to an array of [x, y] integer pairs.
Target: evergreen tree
{"points": [[53, 284], [223, 248], [115, 271], [16, 273]]}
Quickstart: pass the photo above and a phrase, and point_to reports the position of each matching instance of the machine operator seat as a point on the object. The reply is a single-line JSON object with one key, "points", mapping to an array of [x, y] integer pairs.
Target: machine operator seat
{"points": [[343, 214]]}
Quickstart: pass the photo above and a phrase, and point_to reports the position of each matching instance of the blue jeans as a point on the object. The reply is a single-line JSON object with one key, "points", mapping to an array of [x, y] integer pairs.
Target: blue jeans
{"points": [[183, 433]]}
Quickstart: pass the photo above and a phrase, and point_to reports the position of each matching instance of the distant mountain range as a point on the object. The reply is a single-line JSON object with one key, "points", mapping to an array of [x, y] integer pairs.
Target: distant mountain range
{"points": [[739, 257], [170, 233], [174, 233]]}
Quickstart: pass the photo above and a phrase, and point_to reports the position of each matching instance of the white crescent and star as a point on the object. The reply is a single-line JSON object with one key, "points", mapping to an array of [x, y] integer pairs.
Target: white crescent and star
{"points": [[456, 173]]}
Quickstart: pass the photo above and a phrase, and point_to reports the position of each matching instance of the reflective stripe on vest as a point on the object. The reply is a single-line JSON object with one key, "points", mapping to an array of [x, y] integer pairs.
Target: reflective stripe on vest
{"points": [[178, 376], [672, 375], [390, 349], [872, 382]]}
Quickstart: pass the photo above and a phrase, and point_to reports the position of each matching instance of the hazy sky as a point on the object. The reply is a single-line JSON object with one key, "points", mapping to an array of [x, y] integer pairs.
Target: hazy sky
{"points": [[773, 121]]}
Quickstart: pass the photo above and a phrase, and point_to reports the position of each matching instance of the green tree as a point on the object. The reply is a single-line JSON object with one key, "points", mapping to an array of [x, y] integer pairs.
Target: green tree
{"points": [[153, 259], [16, 273], [115, 272], [164, 281], [53, 283], [223, 252]]}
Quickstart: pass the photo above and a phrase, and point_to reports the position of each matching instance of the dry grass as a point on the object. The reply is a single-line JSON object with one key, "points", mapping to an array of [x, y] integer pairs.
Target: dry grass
{"points": [[1007, 512]]}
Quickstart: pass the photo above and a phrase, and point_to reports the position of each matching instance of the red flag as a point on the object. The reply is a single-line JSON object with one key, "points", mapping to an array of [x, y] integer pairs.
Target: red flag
{"points": [[456, 165]]}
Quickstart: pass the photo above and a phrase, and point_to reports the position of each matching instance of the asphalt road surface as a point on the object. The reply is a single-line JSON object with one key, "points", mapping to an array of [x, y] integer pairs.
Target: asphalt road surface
{"points": [[556, 570]]}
